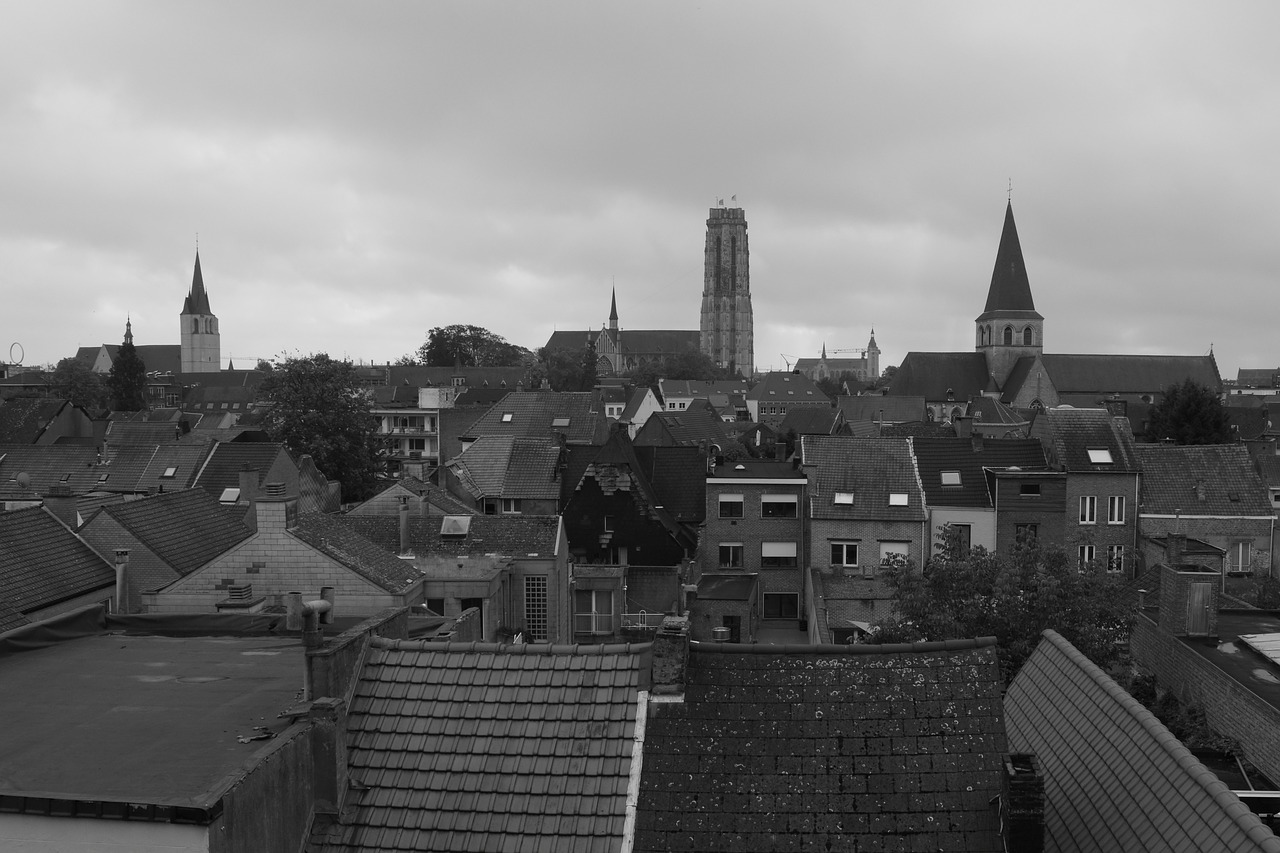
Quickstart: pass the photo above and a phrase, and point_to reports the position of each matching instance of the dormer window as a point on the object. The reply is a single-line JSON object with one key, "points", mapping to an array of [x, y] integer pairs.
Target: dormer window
{"points": [[897, 499], [950, 478], [1100, 456], [843, 498]]}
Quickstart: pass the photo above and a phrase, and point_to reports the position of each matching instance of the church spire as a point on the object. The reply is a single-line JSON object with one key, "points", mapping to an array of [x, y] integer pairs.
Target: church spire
{"points": [[197, 301], [613, 311], [1010, 289], [128, 329]]}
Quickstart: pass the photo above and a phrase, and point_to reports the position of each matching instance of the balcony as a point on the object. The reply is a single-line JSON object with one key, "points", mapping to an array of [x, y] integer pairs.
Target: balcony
{"points": [[593, 623]]}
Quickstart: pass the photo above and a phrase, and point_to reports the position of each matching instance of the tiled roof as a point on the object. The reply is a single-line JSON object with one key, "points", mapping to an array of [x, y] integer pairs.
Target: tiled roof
{"points": [[157, 358], [78, 466], [1207, 479], [678, 480], [989, 410], [681, 388], [870, 469], [1069, 434], [688, 427], [510, 466], [185, 459], [43, 563], [185, 529], [1258, 377], [1127, 374], [22, 420], [221, 470], [808, 420], [474, 377], [778, 386], [966, 459], [488, 748], [136, 433], [505, 535], [341, 542], [1115, 779], [826, 748], [932, 374], [538, 414], [881, 408]]}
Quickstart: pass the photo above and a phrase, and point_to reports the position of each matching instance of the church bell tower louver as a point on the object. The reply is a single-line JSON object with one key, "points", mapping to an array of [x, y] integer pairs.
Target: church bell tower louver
{"points": [[726, 332]]}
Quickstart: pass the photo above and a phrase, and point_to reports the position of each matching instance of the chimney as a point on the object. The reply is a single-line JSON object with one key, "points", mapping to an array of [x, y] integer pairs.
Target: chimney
{"points": [[780, 451], [330, 781], [404, 525], [1022, 804], [62, 503], [975, 439], [670, 655], [1175, 546], [248, 485], [122, 580], [274, 510], [964, 429]]}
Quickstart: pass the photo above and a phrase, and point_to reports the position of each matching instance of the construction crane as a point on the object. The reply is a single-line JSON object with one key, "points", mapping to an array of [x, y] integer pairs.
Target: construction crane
{"points": [[788, 360], [862, 351]]}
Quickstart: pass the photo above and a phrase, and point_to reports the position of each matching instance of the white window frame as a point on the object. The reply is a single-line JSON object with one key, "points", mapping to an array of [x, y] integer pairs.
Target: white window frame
{"points": [[898, 499], [735, 548], [844, 545], [1115, 509], [1086, 554], [842, 499], [787, 552], [732, 500], [1115, 558], [1100, 456], [510, 506], [594, 621], [780, 501], [1088, 509]]}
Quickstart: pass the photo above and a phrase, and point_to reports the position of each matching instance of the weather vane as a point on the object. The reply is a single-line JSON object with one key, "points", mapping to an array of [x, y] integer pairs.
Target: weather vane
{"points": [[1011, 189]]}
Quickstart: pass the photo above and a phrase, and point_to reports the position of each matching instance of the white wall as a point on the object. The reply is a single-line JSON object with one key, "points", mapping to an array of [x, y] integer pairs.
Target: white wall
{"points": [[22, 833]]}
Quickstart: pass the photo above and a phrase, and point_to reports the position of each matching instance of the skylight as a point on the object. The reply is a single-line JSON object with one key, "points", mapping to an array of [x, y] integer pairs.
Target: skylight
{"points": [[1099, 456], [897, 499], [170, 472], [507, 416], [950, 478], [844, 498], [455, 525], [560, 422]]}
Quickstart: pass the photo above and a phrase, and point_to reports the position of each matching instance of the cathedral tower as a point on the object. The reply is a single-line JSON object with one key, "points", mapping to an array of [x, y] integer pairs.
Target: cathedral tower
{"points": [[1010, 327], [726, 326], [201, 342]]}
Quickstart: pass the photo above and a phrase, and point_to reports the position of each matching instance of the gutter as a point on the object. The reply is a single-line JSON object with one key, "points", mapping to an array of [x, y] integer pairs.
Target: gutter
{"points": [[633, 783]]}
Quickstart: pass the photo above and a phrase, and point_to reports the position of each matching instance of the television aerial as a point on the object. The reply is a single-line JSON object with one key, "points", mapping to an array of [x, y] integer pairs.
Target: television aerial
{"points": [[16, 360]]}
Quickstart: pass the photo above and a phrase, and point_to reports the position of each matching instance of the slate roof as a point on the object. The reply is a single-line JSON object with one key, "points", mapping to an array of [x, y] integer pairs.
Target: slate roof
{"points": [[185, 529], [869, 468], [1010, 290], [635, 343], [881, 408], [1115, 779], [185, 458], [24, 419], [491, 748], [43, 563], [474, 377], [510, 466], [967, 458], [135, 433], [671, 480], [931, 374], [504, 535], [1207, 479], [156, 358], [221, 470], [76, 465], [1118, 374], [691, 388], [780, 387], [343, 543], [826, 748], [684, 428], [808, 420], [536, 413], [197, 301], [1069, 434], [1258, 377], [990, 412]]}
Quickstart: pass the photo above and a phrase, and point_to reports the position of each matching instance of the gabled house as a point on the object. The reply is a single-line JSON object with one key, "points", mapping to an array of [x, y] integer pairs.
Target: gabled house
{"points": [[957, 490], [292, 551], [1115, 779], [508, 474], [858, 747], [25, 420], [1213, 493], [696, 426], [866, 415], [1097, 453], [811, 420], [777, 393], [1030, 506], [866, 504], [424, 499], [678, 394], [46, 569], [576, 415], [167, 536], [641, 403]]}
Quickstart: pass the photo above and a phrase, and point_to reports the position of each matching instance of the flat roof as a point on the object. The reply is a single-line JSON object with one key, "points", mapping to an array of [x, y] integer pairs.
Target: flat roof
{"points": [[1234, 657], [142, 719]]}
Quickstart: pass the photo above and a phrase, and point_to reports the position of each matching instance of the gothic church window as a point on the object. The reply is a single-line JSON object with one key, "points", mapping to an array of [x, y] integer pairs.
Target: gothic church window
{"points": [[1008, 336], [1028, 337]]}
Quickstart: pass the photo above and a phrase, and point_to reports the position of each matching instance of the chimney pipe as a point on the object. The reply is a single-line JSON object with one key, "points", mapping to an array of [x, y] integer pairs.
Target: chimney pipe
{"points": [[122, 580], [404, 525], [248, 485]]}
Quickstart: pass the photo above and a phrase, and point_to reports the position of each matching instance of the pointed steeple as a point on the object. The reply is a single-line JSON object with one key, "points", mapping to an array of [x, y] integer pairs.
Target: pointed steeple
{"points": [[197, 301], [128, 329], [824, 350], [613, 311], [1010, 289]]}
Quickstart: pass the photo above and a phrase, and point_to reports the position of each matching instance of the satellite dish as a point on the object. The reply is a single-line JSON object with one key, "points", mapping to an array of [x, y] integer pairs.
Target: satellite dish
{"points": [[16, 359]]}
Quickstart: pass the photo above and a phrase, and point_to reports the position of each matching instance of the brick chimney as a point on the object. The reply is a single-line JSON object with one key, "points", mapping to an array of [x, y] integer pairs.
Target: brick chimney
{"points": [[328, 718], [62, 503], [122, 580], [404, 525], [274, 509], [1022, 804], [670, 655]]}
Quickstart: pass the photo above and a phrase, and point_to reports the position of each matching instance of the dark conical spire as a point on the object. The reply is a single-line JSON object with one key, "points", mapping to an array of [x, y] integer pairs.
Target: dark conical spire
{"points": [[197, 301], [613, 311], [128, 330], [1010, 289]]}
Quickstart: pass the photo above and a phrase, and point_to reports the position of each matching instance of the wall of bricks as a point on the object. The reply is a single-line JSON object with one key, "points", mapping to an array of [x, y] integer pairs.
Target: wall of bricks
{"points": [[1230, 709], [104, 534], [751, 530], [1101, 534], [1222, 532], [705, 615], [869, 535], [1175, 592]]}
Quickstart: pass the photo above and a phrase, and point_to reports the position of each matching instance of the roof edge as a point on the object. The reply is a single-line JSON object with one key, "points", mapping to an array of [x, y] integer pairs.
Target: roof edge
{"points": [[834, 648], [512, 648]]}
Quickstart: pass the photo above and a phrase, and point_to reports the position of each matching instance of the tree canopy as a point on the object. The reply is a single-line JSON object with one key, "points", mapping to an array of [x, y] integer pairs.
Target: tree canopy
{"points": [[469, 346], [74, 380], [319, 408], [127, 380], [1013, 597], [1189, 413], [690, 364]]}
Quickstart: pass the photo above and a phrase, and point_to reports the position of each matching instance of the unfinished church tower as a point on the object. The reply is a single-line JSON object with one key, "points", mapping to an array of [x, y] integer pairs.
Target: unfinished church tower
{"points": [[201, 341], [726, 328]]}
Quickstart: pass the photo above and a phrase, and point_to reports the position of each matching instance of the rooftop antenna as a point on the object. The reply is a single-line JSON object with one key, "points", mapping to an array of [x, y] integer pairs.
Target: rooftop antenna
{"points": [[1011, 189]]}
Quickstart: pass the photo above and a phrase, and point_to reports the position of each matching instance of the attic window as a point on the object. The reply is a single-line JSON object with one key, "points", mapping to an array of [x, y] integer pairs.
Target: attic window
{"points": [[897, 499], [950, 478], [65, 478], [1100, 456], [455, 526], [507, 416], [560, 422], [170, 472], [229, 496], [845, 498], [1234, 497], [103, 478]]}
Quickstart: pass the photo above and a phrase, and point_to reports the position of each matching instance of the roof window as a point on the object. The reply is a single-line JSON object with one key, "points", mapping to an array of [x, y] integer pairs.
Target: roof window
{"points": [[950, 478], [560, 422], [455, 526], [897, 499], [1099, 456], [170, 472], [845, 498], [507, 416]]}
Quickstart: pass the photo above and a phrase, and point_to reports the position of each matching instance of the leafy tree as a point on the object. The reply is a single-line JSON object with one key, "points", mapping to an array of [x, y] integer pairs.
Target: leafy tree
{"points": [[559, 368], [590, 367], [886, 378], [73, 380], [1015, 596], [319, 408], [690, 364], [1189, 413], [470, 346], [264, 366], [127, 380], [831, 386]]}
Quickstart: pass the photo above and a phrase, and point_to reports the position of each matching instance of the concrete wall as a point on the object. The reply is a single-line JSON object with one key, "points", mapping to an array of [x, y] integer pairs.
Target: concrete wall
{"points": [[271, 807], [22, 833]]}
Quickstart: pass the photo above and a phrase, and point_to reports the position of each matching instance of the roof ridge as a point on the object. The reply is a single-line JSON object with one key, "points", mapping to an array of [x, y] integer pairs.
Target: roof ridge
{"points": [[1231, 805], [840, 648], [511, 648]]}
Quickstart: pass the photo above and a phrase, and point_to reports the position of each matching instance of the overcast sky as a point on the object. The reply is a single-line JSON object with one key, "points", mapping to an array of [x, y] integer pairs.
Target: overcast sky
{"points": [[359, 173]]}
